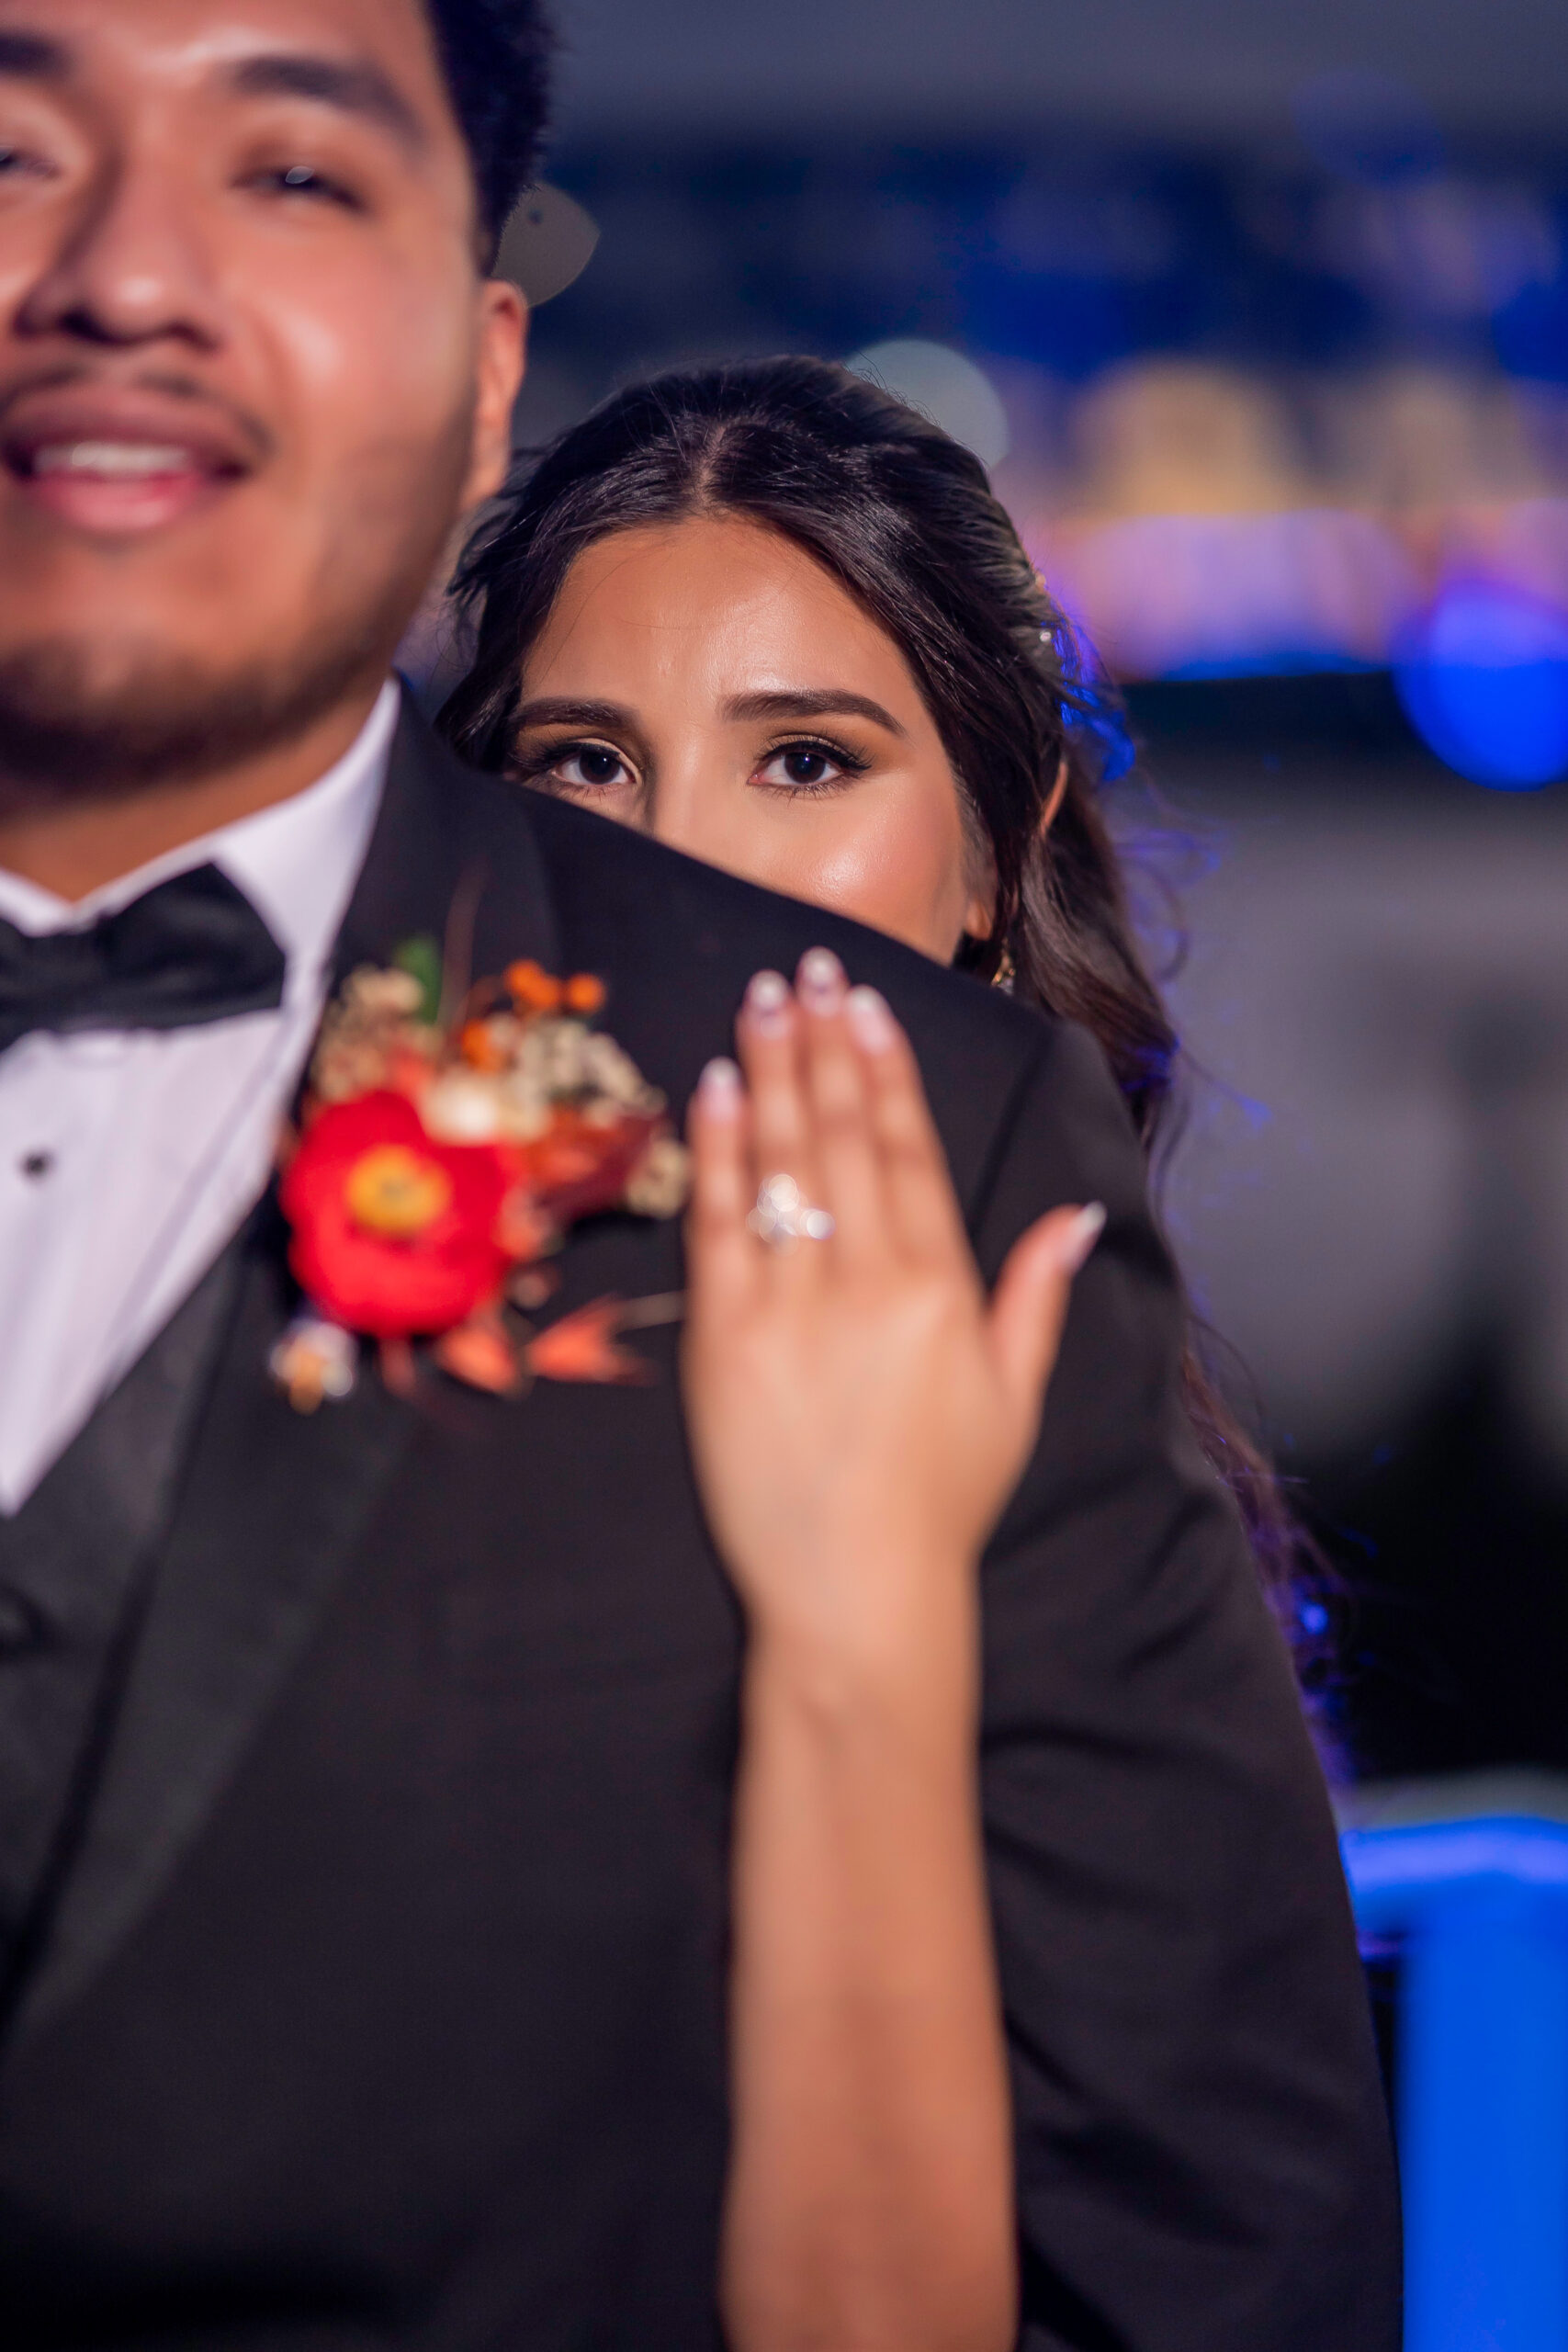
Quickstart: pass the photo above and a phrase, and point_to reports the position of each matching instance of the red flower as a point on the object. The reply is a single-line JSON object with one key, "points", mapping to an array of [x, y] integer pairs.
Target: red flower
{"points": [[393, 1234]]}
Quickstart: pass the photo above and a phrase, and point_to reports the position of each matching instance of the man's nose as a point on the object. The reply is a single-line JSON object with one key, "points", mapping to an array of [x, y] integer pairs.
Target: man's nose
{"points": [[131, 267]]}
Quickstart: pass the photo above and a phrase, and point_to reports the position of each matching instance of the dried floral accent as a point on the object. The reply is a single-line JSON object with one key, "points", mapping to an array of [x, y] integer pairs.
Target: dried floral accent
{"points": [[583, 1345], [482, 1352], [659, 1183], [531, 1287], [437, 1164], [314, 1359]]}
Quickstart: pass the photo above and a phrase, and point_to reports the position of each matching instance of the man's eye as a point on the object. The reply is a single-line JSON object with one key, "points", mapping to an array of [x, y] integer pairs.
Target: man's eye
{"points": [[18, 162], [304, 180]]}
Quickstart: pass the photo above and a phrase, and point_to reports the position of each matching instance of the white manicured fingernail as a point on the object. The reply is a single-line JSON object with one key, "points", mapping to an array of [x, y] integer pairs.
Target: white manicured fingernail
{"points": [[820, 979], [767, 1002], [872, 1023], [719, 1087], [1081, 1236]]}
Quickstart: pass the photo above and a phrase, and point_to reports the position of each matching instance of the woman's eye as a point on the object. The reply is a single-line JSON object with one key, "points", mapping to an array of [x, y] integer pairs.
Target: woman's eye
{"points": [[806, 767], [590, 766]]}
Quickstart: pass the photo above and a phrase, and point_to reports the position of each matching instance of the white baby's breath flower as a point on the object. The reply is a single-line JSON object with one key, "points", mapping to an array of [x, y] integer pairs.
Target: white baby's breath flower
{"points": [[562, 1045], [462, 1106], [658, 1186], [525, 1108], [383, 991]]}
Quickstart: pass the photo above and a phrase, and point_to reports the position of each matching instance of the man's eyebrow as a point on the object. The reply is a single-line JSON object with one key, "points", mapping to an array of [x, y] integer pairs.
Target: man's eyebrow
{"points": [[32, 57], [812, 703], [358, 89], [560, 711]]}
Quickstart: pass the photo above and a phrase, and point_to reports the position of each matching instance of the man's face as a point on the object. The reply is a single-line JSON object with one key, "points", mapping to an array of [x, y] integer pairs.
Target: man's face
{"points": [[249, 374]]}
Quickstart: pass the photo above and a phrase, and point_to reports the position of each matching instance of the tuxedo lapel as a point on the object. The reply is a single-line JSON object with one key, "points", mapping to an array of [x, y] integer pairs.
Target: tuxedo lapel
{"points": [[454, 858], [272, 1502]]}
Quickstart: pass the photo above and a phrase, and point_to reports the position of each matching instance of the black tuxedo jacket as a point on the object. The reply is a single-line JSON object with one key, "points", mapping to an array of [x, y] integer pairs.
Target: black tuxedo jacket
{"points": [[383, 1998]]}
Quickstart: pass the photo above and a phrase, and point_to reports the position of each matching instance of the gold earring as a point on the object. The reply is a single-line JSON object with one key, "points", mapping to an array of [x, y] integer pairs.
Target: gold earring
{"points": [[1006, 972]]}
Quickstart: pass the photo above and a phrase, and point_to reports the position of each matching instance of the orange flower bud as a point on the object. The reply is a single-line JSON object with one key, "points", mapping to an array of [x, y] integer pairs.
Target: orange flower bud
{"points": [[584, 993], [480, 1050], [533, 986]]}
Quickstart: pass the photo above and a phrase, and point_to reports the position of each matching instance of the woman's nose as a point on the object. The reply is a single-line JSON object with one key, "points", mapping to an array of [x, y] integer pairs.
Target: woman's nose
{"points": [[678, 809]]}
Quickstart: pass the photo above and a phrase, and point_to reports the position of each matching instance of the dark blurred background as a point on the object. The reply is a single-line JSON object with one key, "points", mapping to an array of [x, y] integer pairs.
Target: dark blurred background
{"points": [[1259, 316]]}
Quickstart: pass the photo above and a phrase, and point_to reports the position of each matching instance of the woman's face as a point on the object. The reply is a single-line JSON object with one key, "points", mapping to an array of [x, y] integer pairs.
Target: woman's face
{"points": [[707, 681]]}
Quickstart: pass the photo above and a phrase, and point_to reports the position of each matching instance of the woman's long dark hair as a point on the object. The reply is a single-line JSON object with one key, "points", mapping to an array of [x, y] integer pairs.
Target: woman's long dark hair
{"points": [[904, 516]]}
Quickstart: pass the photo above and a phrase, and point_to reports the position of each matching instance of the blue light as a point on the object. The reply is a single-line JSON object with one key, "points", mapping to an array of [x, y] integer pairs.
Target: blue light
{"points": [[1393, 1873], [1483, 679], [1481, 1905]]}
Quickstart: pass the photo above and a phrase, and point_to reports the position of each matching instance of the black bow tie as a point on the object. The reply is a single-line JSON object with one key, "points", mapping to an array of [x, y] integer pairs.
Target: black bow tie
{"points": [[192, 950]]}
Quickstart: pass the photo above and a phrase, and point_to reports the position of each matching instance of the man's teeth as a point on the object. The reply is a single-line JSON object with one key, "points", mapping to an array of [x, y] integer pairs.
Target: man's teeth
{"points": [[126, 460]]}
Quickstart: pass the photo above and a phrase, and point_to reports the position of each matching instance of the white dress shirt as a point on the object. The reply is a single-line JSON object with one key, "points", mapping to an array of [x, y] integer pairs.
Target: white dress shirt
{"points": [[128, 1158]]}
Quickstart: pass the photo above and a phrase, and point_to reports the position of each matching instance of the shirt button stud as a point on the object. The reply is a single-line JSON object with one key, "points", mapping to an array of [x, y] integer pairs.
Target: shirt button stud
{"points": [[36, 1163]]}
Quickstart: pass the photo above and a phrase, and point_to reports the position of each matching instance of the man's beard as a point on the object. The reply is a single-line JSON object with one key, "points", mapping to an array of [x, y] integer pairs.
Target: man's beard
{"points": [[69, 734]]}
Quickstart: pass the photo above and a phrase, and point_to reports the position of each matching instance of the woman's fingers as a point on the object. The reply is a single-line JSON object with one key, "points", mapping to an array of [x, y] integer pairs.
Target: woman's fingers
{"points": [[837, 1102], [917, 1184], [844, 1144], [1029, 1305], [768, 1040], [723, 1183]]}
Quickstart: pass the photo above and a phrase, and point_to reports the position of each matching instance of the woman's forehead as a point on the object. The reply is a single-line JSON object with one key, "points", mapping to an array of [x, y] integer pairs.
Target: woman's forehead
{"points": [[715, 593]]}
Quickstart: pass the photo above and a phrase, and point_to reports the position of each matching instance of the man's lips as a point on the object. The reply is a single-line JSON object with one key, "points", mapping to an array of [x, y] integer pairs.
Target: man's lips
{"points": [[116, 488], [117, 465]]}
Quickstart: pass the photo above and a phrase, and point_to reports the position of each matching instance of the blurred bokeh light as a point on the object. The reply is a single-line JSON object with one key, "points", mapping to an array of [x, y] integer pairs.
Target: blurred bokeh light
{"points": [[1484, 677], [951, 391]]}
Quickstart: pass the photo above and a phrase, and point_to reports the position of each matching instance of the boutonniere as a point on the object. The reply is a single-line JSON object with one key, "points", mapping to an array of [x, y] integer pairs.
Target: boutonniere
{"points": [[438, 1164]]}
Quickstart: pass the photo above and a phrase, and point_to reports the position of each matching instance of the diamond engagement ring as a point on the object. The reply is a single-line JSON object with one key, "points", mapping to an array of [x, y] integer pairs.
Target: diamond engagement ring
{"points": [[782, 1214]]}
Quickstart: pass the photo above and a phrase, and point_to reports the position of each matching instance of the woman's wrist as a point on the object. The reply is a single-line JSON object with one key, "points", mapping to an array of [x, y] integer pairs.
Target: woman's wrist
{"points": [[906, 1670]]}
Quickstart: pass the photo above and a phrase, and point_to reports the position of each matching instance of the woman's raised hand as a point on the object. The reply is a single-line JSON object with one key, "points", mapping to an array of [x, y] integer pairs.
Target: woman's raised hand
{"points": [[860, 1411]]}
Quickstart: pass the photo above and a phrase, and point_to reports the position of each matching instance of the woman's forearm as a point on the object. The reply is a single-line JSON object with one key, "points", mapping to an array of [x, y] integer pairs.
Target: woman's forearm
{"points": [[870, 2204], [860, 1407]]}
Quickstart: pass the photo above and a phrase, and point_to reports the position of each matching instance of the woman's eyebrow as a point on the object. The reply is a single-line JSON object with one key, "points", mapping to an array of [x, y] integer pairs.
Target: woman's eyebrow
{"points": [[558, 711], [811, 702]]}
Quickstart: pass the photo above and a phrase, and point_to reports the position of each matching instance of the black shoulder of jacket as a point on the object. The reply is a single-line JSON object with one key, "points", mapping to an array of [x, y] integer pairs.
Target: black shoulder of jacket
{"points": [[676, 941]]}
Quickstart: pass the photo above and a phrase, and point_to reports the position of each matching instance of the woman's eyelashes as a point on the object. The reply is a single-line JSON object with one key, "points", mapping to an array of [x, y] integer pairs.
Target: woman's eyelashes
{"points": [[795, 769], [574, 767], [808, 764]]}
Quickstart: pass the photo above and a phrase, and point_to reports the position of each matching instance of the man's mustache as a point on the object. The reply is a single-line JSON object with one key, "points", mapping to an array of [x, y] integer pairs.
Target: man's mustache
{"points": [[182, 390]]}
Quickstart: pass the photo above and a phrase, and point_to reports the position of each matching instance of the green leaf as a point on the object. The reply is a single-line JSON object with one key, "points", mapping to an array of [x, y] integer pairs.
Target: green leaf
{"points": [[422, 956]]}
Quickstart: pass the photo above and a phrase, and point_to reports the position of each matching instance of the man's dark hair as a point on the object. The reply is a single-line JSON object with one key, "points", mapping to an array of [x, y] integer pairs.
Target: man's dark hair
{"points": [[497, 58]]}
